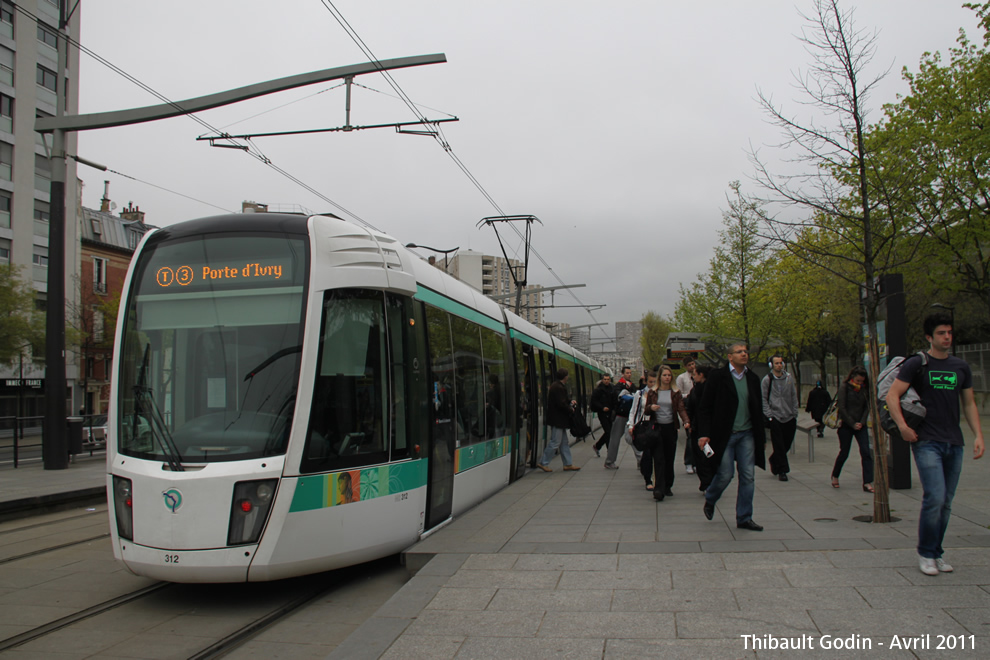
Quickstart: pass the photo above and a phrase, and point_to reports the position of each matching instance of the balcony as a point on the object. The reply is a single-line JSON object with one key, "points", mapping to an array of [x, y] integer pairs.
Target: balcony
{"points": [[100, 288]]}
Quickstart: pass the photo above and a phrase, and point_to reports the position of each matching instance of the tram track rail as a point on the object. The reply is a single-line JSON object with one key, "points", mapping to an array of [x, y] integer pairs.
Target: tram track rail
{"points": [[248, 632], [218, 649], [54, 524], [95, 513], [82, 615], [42, 551]]}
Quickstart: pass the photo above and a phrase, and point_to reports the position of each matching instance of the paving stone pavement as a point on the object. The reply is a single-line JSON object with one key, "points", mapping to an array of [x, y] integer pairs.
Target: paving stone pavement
{"points": [[586, 565]]}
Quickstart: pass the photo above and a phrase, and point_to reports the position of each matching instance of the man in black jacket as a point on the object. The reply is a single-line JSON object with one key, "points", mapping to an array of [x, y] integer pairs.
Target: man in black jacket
{"points": [[601, 402], [558, 419], [731, 419]]}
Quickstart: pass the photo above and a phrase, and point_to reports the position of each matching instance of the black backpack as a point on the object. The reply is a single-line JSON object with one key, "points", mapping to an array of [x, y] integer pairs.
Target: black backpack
{"points": [[579, 426]]}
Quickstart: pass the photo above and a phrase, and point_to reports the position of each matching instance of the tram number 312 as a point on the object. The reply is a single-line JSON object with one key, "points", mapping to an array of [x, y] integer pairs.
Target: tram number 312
{"points": [[171, 559]]}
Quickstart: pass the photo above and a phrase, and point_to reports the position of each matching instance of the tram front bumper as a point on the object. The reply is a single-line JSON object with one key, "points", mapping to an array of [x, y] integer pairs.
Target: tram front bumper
{"points": [[220, 565]]}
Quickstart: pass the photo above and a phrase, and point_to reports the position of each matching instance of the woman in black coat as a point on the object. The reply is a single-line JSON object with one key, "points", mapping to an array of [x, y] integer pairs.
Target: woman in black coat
{"points": [[818, 402], [702, 464]]}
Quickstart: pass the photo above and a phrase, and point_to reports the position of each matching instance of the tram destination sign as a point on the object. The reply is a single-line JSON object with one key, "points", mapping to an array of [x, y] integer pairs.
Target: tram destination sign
{"points": [[184, 275], [686, 347]]}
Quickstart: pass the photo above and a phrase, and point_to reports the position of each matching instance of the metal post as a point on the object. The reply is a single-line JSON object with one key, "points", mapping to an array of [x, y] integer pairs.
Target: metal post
{"points": [[347, 103], [54, 446]]}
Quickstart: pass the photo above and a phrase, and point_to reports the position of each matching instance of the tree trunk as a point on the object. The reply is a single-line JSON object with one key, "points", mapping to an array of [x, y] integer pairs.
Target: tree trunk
{"points": [[881, 501]]}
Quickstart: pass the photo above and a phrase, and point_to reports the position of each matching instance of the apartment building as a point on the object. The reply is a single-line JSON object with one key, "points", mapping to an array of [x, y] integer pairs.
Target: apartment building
{"points": [[493, 277], [29, 83]]}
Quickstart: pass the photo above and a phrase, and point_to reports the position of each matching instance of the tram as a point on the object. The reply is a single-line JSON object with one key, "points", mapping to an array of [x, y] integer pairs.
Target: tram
{"points": [[296, 394]]}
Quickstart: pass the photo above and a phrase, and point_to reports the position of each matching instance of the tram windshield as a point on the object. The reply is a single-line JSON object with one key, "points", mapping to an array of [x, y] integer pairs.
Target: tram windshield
{"points": [[211, 348]]}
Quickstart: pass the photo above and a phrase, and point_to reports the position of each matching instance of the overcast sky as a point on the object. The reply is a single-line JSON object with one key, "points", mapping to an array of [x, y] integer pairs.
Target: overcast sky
{"points": [[619, 125]]}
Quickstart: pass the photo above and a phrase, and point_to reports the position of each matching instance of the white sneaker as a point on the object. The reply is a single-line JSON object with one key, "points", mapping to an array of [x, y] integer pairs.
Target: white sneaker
{"points": [[689, 469], [943, 566], [927, 565]]}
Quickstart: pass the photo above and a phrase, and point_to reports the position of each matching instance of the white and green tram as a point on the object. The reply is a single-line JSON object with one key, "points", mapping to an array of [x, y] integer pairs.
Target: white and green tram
{"points": [[295, 394]]}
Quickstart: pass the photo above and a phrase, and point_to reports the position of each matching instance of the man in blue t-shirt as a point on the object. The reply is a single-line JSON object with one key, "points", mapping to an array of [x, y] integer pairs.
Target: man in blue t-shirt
{"points": [[937, 444]]}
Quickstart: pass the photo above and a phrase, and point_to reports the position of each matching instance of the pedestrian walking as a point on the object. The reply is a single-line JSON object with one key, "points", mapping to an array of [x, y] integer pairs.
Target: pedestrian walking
{"points": [[731, 419], [621, 403], [663, 405], [559, 411], [937, 444], [818, 402], [685, 383], [780, 407], [854, 411], [601, 402], [702, 464]]}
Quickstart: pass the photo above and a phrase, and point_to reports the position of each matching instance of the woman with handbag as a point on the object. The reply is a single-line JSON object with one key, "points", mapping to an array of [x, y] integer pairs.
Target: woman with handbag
{"points": [[854, 410], [664, 407]]}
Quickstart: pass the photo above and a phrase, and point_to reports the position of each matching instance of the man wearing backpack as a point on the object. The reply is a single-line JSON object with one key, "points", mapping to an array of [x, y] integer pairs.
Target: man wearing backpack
{"points": [[937, 444]]}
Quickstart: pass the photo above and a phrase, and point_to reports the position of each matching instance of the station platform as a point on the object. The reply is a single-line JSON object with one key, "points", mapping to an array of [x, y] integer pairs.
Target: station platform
{"points": [[29, 486], [586, 565]]}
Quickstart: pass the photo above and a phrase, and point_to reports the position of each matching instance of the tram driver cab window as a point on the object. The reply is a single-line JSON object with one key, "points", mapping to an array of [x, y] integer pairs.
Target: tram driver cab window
{"points": [[347, 423]]}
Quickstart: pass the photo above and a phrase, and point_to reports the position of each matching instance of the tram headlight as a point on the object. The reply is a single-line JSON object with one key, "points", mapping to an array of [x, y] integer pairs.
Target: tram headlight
{"points": [[249, 510], [123, 508]]}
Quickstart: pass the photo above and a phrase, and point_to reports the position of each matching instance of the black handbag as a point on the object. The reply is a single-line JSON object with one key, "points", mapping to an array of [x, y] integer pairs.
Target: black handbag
{"points": [[645, 434]]}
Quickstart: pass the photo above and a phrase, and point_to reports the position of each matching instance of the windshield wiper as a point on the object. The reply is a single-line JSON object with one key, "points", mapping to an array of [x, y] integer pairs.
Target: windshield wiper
{"points": [[274, 356], [143, 392]]}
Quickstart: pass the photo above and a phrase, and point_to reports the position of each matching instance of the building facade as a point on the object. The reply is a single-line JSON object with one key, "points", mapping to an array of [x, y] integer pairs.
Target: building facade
{"points": [[29, 83], [493, 277], [107, 245], [627, 344]]}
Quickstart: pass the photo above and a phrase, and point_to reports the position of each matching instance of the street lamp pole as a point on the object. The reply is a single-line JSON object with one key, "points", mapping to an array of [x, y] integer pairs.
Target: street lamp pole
{"points": [[445, 253], [55, 444]]}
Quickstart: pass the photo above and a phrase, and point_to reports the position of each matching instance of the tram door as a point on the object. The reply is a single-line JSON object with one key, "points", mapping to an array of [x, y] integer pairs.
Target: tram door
{"points": [[527, 427], [442, 445], [545, 368]]}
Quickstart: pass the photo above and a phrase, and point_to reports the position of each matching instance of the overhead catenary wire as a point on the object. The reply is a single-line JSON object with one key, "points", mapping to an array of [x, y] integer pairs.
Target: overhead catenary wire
{"points": [[440, 138], [252, 149], [174, 192]]}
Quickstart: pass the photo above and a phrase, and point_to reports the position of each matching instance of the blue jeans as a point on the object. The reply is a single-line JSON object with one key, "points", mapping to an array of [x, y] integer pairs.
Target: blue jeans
{"points": [[939, 465], [558, 438], [741, 451]]}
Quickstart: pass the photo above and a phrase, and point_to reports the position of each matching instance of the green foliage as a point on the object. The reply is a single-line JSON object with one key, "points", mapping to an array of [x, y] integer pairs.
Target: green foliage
{"points": [[654, 338], [731, 300], [935, 151], [20, 327]]}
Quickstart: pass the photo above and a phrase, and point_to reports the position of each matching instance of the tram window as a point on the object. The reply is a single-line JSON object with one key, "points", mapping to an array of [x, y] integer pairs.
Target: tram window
{"points": [[442, 366], [349, 411], [403, 370], [209, 368], [564, 362], [469, 381], [497, 383]]}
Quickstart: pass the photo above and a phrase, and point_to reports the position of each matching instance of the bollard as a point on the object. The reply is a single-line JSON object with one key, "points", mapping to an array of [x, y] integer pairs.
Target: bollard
{"points": [[74, 432]]}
